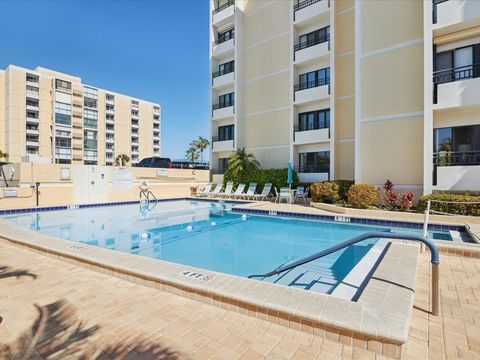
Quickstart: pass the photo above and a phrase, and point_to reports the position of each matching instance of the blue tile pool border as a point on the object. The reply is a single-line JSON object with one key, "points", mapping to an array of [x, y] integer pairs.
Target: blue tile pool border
{"points": [[331, 218], [351, 220]]}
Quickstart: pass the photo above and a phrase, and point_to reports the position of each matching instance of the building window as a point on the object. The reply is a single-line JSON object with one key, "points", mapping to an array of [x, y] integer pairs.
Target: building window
{"points": [[457, 146], [225, 68], [63, 142], [32, 114], [90, 118], [31, 102], [313, 79], [458, 64], [222, 165], [313, 38], [226, 100], [32, 78], [225, 133], [314, 120], [314, 162], [63, 85], [226, 35], [63, 113]]}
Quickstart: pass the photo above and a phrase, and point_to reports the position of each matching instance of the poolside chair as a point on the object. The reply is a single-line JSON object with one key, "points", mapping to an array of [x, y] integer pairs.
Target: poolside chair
{"points": [[265, 192], [215, 191], [250, 192], [284, 194], [302, 193], [228, 190], [238, 192], [205, 190]]}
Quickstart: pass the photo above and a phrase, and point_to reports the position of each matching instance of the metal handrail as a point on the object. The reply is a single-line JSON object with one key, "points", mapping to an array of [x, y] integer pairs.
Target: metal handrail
{"points": [[456, 158], [311, 84], [310, 43], [434, 257], [147, 196], [456, 74], [303, 4]]}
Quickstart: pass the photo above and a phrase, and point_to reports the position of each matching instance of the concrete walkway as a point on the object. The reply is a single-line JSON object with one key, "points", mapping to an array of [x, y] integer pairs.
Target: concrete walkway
{"points": [[50, 308]]}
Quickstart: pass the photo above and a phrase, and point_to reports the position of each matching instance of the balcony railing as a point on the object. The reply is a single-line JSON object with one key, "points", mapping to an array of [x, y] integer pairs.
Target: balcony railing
{"points": [[224, 39], [222, 105], [316, 125], [456, 158], [456, 74], [223, 7], [303, 4], [310, 43], [223, 72], [308, 169], [221, 138], [311, 84]]}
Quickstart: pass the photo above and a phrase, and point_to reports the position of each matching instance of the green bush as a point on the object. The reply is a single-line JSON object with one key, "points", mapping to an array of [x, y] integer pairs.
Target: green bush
{"points": [[458, 209], [343, 186], [362, 196], [278, 177], [325, 192]]}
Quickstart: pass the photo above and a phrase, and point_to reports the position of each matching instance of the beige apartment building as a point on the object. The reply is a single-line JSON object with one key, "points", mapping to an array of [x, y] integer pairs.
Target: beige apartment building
{"points": [[366, 90], [51, 117]]}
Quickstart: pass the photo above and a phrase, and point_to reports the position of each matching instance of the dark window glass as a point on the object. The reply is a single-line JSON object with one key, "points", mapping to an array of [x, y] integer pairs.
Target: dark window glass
{"points": [[314, 162], [226, 100], [63, 119], [314, 120], [226, 132]]}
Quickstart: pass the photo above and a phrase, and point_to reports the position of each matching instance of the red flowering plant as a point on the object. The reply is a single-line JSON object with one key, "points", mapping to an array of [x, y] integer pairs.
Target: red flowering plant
{"points": [[406, 201], [390, 197]]}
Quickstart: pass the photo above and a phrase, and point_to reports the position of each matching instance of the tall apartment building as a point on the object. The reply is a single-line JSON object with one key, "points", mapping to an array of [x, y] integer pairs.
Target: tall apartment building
{"points": [[47, 116], [361, 90]]}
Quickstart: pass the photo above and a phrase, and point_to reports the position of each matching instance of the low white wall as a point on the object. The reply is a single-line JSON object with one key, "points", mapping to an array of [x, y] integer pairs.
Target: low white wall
{"points": [[461, 178]]}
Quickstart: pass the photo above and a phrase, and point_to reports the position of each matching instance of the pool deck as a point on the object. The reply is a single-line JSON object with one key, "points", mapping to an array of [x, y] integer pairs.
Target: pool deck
{"points": [[45, 300]]}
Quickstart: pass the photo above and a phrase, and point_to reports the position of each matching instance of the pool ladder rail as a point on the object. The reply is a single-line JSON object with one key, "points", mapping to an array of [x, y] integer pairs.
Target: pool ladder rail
{"points": [[434, 258], [146, 195]]}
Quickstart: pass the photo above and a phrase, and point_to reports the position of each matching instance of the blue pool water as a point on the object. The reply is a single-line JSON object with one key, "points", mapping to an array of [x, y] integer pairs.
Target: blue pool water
{"points": [[205, 235]]}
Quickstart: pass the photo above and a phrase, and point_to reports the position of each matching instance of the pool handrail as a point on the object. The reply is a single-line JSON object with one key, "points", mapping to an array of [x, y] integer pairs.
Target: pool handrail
{"points": [[434, 257], [147, 194]]}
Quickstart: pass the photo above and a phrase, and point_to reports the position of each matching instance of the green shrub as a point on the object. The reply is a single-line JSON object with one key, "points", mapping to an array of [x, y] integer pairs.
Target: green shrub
{"points": [[325, 192], [458, 209], [343, 186], [278, 177], [362, 196]]}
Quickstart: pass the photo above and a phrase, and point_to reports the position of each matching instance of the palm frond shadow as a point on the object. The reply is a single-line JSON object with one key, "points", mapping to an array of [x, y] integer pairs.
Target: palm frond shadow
{"points": [[7, 271], [57, 333]]}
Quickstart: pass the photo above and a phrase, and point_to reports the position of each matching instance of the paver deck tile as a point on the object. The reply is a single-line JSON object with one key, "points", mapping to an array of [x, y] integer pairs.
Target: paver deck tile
{"points": [[118, 318]]}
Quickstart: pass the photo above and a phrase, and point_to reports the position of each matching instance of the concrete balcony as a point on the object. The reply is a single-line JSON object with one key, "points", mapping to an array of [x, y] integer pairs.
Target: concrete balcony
{"points": [[109, 150], [223, 145], [110, 131], [306, 11], [32, 131], [110, 101], [134, 116], [312, 173], [222, 113], [458, 178], [32, 94], [110, 121], [311, 136], [32, 143], [306, 94], [32, 83], [110, 140], [32, 120], [135, 126], [110, 111], [224, 13], [224, 48], [455, 15], [458, 94], [223, 81], [307, 54], [32, 107]]}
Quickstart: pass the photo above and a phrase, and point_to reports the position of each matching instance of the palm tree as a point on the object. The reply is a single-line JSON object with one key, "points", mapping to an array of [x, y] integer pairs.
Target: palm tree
{"points": [[3, 155], [122, 160], [192, 153], [201, 144], [241, 161]]}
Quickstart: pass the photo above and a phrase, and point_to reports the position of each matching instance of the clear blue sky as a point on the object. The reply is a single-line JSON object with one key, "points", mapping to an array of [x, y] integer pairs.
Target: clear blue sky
{"points": [[153, 50]]}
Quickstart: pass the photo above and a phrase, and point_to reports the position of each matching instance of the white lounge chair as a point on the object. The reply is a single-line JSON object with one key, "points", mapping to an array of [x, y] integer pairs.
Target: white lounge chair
{"points": [[228, 190], [215, 191], [302, 193], [205, 190], [238, 192], [265, 192], [250, 192], [284, 194]]}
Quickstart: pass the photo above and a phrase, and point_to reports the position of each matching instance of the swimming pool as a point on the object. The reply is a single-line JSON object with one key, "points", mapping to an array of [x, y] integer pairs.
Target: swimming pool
{"points": [[208, 235]]}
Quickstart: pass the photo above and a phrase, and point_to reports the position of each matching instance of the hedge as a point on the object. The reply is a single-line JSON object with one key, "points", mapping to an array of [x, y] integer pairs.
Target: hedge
{"points": [[325, 192], [362, 196], [278, 177], [457, 209]]}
